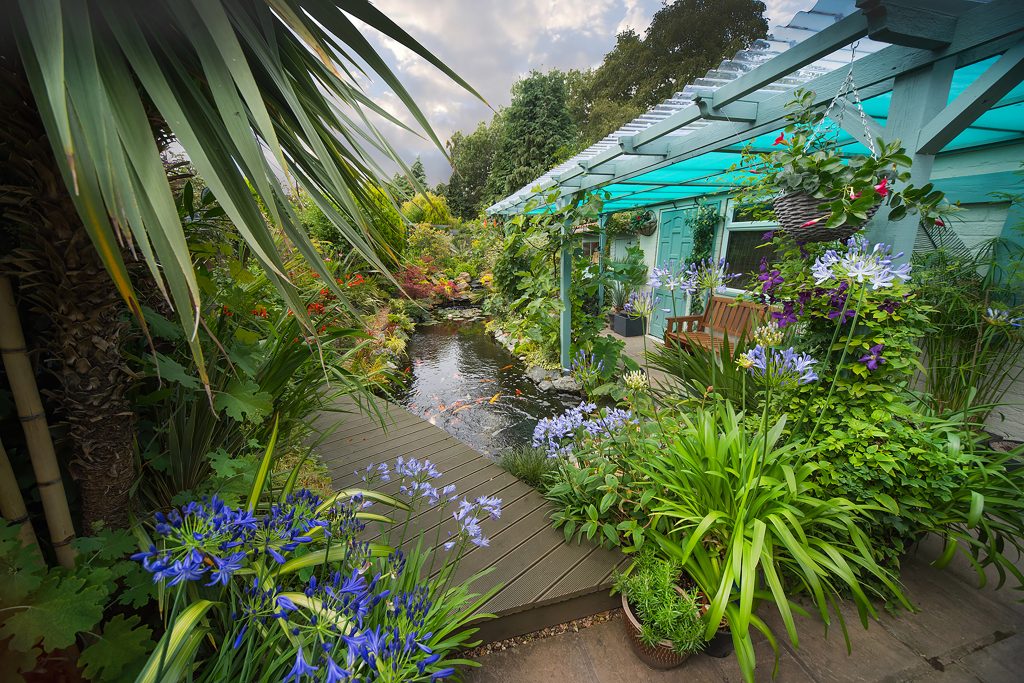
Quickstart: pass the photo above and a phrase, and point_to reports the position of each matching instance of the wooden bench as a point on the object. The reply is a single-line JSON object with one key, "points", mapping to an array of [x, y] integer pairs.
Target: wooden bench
{"points": [[723, 315]]}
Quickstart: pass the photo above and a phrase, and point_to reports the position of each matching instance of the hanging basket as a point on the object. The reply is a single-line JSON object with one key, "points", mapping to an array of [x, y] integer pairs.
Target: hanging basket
{"points": [[794, 210], [644, 224]]}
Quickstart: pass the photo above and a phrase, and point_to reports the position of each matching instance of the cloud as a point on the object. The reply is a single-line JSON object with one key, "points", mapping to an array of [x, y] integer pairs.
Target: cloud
{"points": [[491, 44]]}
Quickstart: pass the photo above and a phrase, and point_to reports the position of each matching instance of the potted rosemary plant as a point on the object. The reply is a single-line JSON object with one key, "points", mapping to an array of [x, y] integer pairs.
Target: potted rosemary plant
{"points": [[663, 621]]}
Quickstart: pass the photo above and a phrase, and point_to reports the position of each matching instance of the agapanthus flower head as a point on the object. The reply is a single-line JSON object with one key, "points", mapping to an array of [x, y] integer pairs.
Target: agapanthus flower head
{"points": [[641, 304], [557, 434], [860, 263], [779, 368], [1000, 317], [768, 334], [635, 380], [710, 275], [672, 277]]}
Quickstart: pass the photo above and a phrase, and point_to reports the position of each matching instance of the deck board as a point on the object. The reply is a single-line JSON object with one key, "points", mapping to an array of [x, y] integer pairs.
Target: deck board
{"points": [[537, 568]]}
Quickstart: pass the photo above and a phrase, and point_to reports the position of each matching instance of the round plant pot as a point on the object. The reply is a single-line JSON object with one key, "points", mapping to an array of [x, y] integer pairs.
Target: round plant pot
{"points": [[720, 645], [660, 656], [794, 210]]}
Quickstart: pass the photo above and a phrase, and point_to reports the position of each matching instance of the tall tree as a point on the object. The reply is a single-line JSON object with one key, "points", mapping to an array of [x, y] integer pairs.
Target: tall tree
{"points": [[536, 131], [419, 174], [472, 157], [684, 40]]}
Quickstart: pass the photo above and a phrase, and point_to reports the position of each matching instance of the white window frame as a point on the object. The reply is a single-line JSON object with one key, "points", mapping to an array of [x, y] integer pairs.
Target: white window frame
{"points": [[731, 226]]}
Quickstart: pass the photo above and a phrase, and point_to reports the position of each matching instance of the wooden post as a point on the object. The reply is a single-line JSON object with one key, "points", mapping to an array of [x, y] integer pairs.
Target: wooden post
{"points": [[12, 503], [565, 286], [917, 97], [602, 241], [33, 422]]}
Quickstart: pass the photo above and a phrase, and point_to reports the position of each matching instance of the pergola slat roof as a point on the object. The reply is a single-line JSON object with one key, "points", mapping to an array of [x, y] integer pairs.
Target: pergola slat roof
{"points": [[684, 146]]}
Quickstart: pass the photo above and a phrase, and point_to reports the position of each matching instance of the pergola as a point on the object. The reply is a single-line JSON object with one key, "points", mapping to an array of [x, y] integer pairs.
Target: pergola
{"points": [[943, 76]]}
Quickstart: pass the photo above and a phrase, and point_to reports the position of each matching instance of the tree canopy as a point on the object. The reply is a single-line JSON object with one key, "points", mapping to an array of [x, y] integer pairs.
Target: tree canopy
{"points": [[556, 114]]}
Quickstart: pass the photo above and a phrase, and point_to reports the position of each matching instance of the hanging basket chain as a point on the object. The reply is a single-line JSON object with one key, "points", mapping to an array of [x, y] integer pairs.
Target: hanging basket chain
{"points": [[847, 90]]}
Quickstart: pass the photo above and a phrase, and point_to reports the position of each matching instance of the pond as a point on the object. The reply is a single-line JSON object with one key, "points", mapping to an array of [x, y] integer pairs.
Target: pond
{"points": [[473, 388]]}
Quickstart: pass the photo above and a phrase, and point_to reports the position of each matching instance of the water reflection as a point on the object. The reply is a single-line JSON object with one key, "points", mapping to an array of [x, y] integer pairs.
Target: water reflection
{"points": [[465, 383]]}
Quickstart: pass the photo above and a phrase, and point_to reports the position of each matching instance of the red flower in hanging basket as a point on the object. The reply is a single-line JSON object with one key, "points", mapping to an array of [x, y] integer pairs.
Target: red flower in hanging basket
{"points": [[882, 188], [812, 222], [781, 140], [940, 223]]}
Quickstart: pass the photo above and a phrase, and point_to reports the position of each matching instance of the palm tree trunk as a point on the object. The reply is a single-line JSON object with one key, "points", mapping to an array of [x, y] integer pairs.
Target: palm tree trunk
{"points": [[85, 320]]}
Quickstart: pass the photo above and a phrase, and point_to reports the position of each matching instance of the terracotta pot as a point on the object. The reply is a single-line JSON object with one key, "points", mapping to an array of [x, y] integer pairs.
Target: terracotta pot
{"points": [[660, 656], [794, 209]]}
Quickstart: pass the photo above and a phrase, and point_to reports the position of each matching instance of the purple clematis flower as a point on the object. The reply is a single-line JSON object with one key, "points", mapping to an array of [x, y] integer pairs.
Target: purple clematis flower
{"points": [[873, 358]]}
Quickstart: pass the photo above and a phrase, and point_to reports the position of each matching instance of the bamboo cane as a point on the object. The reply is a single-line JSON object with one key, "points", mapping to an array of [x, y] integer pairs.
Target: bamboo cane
{"points": [[33, 422], [12, 503]]}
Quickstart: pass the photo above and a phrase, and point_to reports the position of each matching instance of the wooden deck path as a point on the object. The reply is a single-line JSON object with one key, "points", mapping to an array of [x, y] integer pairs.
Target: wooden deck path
{"points": [[545, 580]]}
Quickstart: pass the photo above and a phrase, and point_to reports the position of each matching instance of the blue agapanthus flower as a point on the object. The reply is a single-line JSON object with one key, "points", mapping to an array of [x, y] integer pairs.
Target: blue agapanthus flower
{"points": [[777, 368], [861, 263]]}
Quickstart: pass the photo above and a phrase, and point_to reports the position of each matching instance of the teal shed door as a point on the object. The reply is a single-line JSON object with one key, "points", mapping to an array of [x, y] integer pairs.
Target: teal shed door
{"points": [[675, 244]]}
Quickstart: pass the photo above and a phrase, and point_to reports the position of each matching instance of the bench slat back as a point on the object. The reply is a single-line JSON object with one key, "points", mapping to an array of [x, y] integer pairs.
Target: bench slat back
{"points": [[734, 317]]}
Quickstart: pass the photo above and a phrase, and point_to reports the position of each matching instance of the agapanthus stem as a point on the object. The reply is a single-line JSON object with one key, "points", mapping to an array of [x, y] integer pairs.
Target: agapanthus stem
{"points": [[842, 359]]}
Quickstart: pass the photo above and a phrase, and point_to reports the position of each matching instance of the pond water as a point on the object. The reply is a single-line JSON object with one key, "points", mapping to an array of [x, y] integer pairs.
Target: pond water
{"points": [[470, 386]]}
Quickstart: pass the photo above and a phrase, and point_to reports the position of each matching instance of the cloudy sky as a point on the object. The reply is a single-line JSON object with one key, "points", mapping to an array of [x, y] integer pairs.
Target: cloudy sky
{"points": [[492, 43]]}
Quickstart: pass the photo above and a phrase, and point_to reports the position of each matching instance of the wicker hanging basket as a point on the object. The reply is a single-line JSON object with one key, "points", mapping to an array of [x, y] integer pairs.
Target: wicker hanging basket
{"points": [[794, 210], [645, 224]]}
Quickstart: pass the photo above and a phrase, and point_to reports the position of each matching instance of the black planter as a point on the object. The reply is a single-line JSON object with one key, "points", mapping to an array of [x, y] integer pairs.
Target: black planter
{"points": [[720, 645], [625, 326]]}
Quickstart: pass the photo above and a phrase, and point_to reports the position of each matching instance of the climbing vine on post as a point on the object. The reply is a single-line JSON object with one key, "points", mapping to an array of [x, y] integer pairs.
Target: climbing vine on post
{"points": [[702, 224]]}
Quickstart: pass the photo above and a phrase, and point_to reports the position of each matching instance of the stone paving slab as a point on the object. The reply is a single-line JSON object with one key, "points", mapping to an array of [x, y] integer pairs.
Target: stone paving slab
{"points": [[961, 634]]}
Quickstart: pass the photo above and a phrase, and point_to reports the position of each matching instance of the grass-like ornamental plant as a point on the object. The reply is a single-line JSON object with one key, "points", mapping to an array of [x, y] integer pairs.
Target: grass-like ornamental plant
{"points": [[288, 589], [738, 509], [665, 611]]}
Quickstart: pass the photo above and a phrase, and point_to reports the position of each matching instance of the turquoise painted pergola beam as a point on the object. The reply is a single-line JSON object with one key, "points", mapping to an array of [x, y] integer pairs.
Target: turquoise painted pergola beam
{"points": [[981, 32]]}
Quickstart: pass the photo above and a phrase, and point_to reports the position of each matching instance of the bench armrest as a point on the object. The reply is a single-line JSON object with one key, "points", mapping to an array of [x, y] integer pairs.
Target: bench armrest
{"points": [[683, 323]]}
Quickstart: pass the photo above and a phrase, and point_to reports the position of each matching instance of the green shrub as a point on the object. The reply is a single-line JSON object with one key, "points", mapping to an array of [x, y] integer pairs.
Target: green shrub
{"points": [[663, 612]]}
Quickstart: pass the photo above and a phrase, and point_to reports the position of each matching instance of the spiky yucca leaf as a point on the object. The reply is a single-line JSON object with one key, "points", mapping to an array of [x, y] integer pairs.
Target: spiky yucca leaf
{"points": [[250, 90]]}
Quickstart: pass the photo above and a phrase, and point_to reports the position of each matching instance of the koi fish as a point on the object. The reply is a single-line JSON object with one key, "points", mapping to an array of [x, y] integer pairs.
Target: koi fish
{"points": [[468, 405], [488, 380], [494, 399], [510, 365], [441, 408], [518, 393]]}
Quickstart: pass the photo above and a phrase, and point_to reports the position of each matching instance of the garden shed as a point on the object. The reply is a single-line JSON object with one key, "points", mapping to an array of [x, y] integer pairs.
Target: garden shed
{"points": [[946, 77]]}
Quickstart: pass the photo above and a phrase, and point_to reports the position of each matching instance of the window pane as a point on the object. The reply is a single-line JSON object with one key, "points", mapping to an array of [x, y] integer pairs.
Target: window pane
{"points": [[750, 213], [744, 253]]}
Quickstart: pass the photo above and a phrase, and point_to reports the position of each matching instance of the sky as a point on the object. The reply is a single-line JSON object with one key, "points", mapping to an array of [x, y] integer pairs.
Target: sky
{"points": [[493, 43]]}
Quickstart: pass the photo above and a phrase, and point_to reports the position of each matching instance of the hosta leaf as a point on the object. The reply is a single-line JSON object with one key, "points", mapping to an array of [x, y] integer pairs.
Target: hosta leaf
{"points": [[243, 400], [120, 653], [57, 612]]}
